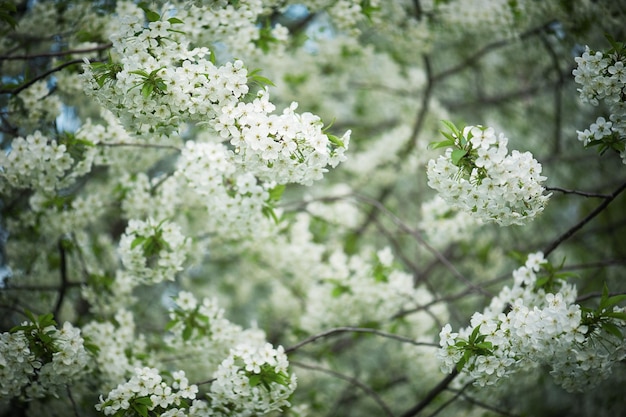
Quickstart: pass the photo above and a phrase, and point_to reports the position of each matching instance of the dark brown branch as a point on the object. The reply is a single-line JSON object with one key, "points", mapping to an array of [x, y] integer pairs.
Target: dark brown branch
{"points": [[558, 99], [17, 90], [482, 404], [581, 193], [368, 391], [451, 400], [596, 294], [569, 233], [432, 394], [71, 398], [471, 60], [64, 281], [421, 114], [339, 330], [56, 54], [140, 145]]}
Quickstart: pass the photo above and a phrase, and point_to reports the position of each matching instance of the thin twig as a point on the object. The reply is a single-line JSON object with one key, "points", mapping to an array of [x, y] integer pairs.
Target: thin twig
{"points": [[418, 236], [596, 294], [581, 193], [432, 394], [471, 60], [139, 145], [56, 54], [450, 401], [17, 90], [569, 233], [339, 330], [482, 404], [69, 395], [64, 281], [208, 381], [421, 114], [369, 391]]}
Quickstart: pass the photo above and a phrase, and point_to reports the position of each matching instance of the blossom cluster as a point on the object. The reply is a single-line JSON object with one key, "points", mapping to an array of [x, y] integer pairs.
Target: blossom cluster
{"points": [[37, 359], [152, 252], [536, 322], [252, 380], [34, 106], [443, 225], [34, 162], [235, 200], [290, 147], [478, 175], [147, 391], [360, 292], [602, 77], [235, 24], [159, 84], [119, 347], [480, 15]]}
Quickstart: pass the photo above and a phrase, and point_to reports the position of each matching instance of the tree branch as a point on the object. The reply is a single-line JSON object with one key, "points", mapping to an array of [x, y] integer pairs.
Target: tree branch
{"points": [[17, 90], [584, 221], [339, 330], [438, 389], [369, 391], [581, 193], [55, 54]]}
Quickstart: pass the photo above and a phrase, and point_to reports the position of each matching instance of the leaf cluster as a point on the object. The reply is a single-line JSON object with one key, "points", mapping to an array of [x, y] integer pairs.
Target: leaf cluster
{"points": [[475, 345], [190, 321], [267, 376], [604, 316], [275, 195], [153, 244], [38, 331]]}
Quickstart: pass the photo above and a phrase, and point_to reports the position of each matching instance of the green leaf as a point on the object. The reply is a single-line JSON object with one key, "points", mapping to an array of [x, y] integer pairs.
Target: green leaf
{"points": [[485, 345], [613, 329], [269, 212], [339, 289], [6, 9], [143, 400], [277, 192], [259, 79], [174, 20], [457, 155], [615, 315], [139, 240], [147, 89], [336, 141], [461, 363], [451, 126], [170, 325], [152, 16], [442, 144], [255, 380], [187, 332]]}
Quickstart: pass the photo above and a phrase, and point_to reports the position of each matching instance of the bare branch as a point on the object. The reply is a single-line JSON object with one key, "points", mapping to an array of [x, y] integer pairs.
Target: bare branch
{"points": [[581, 193], [434, 393], [339, 330], [55, 54], [569, 233], [17, 90], [140, 145], [369, 391]]}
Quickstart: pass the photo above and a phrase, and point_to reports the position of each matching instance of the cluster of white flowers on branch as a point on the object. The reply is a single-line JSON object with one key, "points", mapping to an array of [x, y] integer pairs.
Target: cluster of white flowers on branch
{"points": [[477, 175], [602, 76], [146, 393], [537, 322], [152, 252], [159, 84], [37, 359]]}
